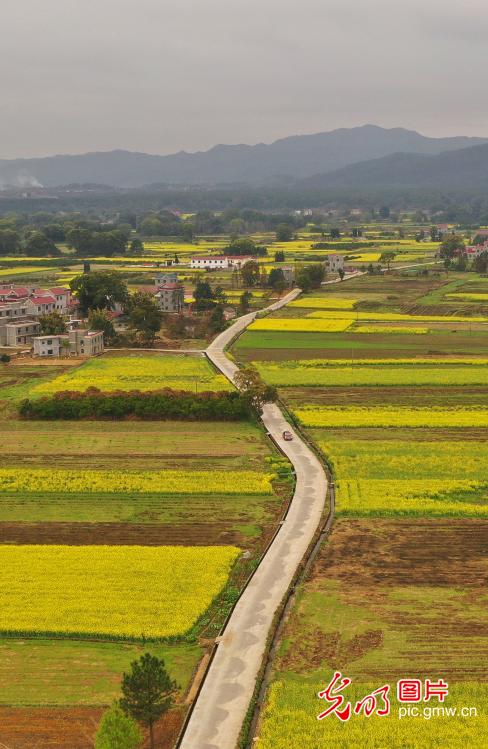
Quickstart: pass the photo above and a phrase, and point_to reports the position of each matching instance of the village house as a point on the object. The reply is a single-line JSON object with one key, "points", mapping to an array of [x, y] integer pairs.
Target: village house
{"points": [[57, 296], [212, 262], [63, 299], [238, 261], [12, 310], [78, 342], [220, 262], [474, 251], [334, 263], [170, 297], [166, 277], [40, 305], [18, 333], [288, 274], [11, 293], [17, 327]]}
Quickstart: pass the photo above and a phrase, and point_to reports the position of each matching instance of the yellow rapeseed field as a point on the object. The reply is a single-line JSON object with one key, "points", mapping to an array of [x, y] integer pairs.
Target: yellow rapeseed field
{"points": [[21, 269], [366, 257], [390, 330], [397, 416], [289, 719], [323, 302], [468, 297], [43, 480], [300, 325], [426, 497], [119, 591], [139, 372], [393, 316]]}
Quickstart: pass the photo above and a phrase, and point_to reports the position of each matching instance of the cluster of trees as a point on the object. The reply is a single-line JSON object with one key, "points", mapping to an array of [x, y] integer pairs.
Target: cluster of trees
{"points": [[90, 243], [276, 280], [147, 694], [245, 246], [99, 292], [38, 238], [311, 276], [159, 404], [53, 323], [33, 244], [253, 390], [480, 263], [452, 251], [164, 224], [213, 302]]}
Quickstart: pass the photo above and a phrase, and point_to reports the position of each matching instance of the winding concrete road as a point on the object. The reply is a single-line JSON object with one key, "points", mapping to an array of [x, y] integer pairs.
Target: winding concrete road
{"points": [[228, 687]]}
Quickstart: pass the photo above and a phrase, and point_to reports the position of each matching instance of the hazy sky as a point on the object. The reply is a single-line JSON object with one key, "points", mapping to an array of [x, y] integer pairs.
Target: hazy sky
{"points": [[165, 75]]}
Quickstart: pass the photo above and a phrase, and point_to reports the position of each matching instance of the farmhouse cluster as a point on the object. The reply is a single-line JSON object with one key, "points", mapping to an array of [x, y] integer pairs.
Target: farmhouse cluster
{"points": [[20, 310]]}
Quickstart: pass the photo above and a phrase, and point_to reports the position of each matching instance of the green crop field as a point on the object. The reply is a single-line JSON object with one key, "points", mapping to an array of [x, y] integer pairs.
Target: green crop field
{"points": [[357, 374]]}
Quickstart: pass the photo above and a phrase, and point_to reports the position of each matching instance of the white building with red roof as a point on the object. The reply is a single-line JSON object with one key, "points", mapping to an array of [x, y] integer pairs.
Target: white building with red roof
{"points": [[212, 262]]}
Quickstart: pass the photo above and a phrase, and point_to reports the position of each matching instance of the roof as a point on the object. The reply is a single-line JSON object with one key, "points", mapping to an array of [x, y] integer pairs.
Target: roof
{"points": [[148, 289], [59, 290], [21, 323], [210, 257], [14, 294], [42, 300], [13, 289], [171, 286], [50, 337]]}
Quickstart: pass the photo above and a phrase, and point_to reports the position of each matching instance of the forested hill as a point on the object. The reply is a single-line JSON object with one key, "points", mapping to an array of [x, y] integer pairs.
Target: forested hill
{"points": [[464, 169]]}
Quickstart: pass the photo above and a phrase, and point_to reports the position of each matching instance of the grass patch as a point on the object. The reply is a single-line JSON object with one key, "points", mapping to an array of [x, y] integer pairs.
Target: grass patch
{"points": [[66, 672]]}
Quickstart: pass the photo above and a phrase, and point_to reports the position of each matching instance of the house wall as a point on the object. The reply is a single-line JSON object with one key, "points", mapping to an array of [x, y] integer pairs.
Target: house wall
{"points": [[48, 346]]}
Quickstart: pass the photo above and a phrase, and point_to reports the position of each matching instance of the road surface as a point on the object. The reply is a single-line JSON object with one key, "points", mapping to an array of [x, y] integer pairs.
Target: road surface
{"points": [[228, 687]]}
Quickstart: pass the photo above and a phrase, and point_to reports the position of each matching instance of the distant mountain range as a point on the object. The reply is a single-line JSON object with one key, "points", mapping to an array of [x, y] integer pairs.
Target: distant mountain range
{"points": [[333, 156], [463, 169]]}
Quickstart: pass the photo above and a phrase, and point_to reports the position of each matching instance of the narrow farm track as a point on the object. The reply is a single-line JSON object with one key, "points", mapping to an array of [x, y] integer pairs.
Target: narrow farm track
{"points": [[221, 706]]}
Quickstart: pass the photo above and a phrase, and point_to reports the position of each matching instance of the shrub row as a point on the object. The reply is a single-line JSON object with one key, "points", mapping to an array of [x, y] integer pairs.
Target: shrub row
{"points": [[156, 405]]}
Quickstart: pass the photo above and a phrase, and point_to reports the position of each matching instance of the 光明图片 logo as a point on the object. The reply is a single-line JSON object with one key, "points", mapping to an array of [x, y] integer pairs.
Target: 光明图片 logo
{"points": [[409, 693]]}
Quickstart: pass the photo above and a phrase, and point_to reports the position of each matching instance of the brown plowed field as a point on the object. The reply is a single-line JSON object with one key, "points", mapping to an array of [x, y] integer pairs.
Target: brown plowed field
{"points": [[68, 728], [80, 534], [390, 598], [436, 553]]}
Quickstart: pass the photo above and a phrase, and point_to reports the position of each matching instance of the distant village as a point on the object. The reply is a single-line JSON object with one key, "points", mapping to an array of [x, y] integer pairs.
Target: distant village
{"points": [[22, 307]]}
